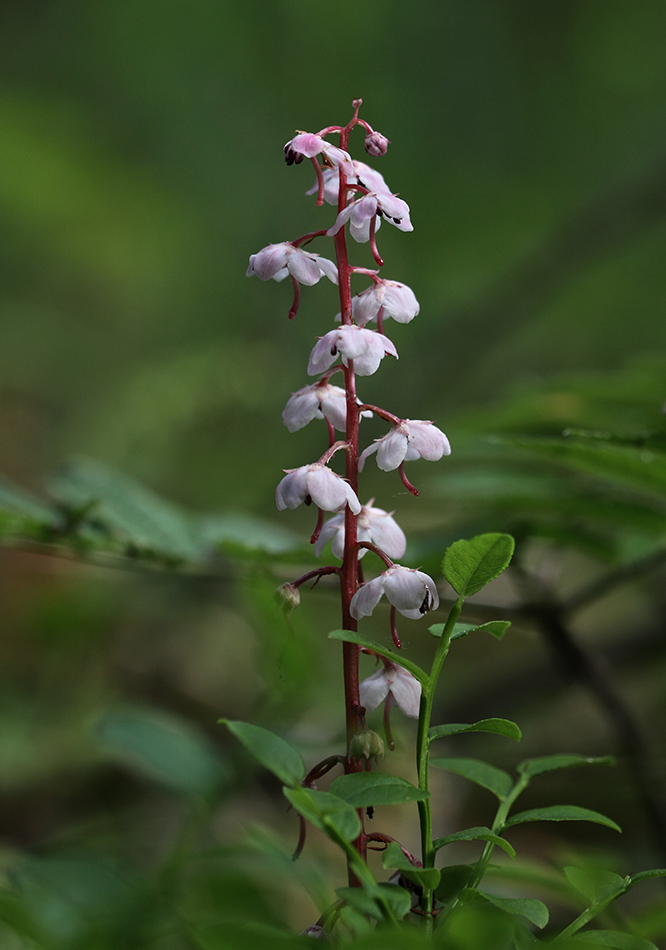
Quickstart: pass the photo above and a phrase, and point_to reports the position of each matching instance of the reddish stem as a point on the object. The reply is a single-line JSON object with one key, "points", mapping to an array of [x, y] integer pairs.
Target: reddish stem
{"points": [[297, 297], [406, 482], [320, 522], [375, 550], [320, 181], [387, 722], [306, 238], [373, 242], [394, 629], [318, 572], [382, 413]]}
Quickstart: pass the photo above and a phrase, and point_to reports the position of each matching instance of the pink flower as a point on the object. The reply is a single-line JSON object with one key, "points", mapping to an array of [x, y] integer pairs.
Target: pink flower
{"points": [[376, 144], [315, 483], [361, 212], [396, 681], [412, 593], [318, 401], [362, 175], [411, 439], [309, 145], [397, 299], [374, 525], [366, 348], [277, 261]]}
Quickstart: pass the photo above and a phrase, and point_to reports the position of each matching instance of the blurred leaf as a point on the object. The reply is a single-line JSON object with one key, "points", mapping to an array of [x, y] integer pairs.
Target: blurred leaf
{"points": [[237, 532], [328, 812], [596, 884], [132, 514], [351, 636], [364, 901], [550, 763], [452, 880], [475, 834], [496, 628], [562, 813], [535, 911], [394, 857], [17, 501], [274, 753], [362, 789], [163, 748], [487, 776], [469, 565], [500, 727], [614, 938]]}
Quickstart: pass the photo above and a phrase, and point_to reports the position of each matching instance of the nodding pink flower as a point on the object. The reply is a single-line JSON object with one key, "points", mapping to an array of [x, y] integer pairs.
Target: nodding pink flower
{"points": [[309, 145], [277, 261], [361, 212], [363, 175], [411, 592], [397, 299], [396, 681], [366, 348], [411, 439], [374, 525], [318, 401], [376, 144], [315, 483]]}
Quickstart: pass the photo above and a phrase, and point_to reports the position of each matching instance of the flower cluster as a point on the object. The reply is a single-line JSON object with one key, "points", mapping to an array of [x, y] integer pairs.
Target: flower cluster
{"points": [[352, 348]]}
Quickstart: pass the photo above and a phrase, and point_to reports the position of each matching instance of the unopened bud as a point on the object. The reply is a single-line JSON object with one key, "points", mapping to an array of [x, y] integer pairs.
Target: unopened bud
{"points": [[288, 596], [366, 744], [376, 144]]}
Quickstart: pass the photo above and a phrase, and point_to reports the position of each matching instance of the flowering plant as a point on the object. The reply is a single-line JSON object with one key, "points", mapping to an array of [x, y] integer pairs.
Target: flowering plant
{"points": [[435, 898]]}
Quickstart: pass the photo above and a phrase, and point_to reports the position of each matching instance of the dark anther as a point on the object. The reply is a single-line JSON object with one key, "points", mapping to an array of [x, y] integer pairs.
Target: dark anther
{"points": [[334, 350], [308, 501], [370, 811], [380, 213], [291, 157], [425, 606], [397, 220]]}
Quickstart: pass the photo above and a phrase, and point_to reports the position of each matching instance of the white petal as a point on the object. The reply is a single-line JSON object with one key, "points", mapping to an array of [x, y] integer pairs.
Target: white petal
{"points": [[329, 491], [396, 211], [306, 143], [429, 441], [354, 341], [406, 691], [371, 179], [329, 529], [301, 408], [392, 449], [291, 491], [334, 407], [373, 690], [366, 598], [387, 534], [413, 593], [341, 220], [304, 268], [324, 353], [366, 453], [399, 301], [269, 260], [365, 306], [328, 268]]}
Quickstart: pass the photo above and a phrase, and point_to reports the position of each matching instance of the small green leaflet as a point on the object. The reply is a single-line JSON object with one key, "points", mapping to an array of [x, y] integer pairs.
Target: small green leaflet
{"points": [[329, 813], [496, 628], [365, 901], [362, 789], [500, 727], [597, 884], [469, 565], [474, 834], [350, 636], [535, 911], [495, 780], [273, 752], [614, 938], [394, 857], [549, 763], [562, 813]]}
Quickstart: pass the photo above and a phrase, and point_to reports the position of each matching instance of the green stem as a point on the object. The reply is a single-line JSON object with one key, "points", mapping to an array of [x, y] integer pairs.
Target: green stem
{"points": [[423, 755], [498, 827]]}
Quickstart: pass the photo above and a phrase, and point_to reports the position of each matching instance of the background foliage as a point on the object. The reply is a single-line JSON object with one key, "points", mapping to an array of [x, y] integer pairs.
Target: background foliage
{"points": [[140, 165]]}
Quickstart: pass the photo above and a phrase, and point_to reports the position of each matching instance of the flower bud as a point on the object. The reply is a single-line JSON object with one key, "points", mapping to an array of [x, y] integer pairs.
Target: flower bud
{"points": [[376, 144], [288, 596], [366, 744]]}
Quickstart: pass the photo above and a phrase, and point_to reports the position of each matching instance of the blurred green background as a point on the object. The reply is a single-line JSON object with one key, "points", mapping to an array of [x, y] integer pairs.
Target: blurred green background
{"points": [[140, 166]]}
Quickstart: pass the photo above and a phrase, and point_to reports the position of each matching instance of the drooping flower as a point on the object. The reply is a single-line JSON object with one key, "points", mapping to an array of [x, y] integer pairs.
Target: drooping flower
{"points": [[318, 401], [376, 144], [366, 348], [374, 525], [309, 145], [411, 439], [397, 681], [398, 301], [277, 261], [318, 484], [361, 212], [362, 175], [411, 592]]}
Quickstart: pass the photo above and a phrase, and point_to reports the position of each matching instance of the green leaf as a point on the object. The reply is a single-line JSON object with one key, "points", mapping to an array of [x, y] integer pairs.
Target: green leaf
{"points": [[350, 636], [562, 813], [18, 501], [329, 813], [162, 747], [549, 763], [394, 857], [496, 628], [495, 780], [452, 880], [238, 532], [535, 911], [364, 900], [132, 513], [274, 753], [647, 875], [475, 834], [469, 565], [597, 884], [362, 789], [500, 727], [614, 938]]}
